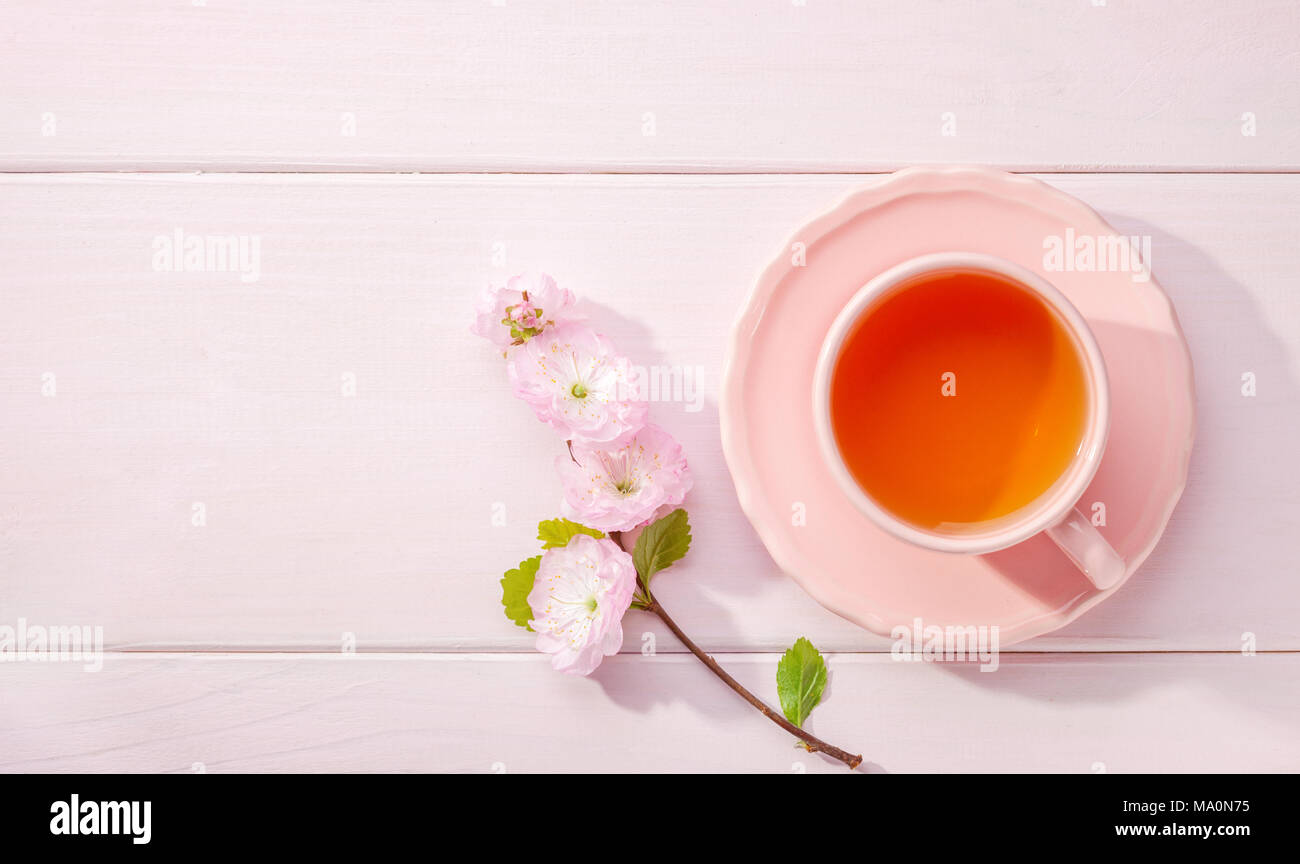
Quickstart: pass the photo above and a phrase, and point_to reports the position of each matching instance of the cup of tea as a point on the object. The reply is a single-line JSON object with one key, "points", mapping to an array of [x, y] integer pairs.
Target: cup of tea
{"points": [[961, 402]]}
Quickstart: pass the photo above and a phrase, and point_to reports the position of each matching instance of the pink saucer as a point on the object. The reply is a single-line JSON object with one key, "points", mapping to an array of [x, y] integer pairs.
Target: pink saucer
{"points": [[850, 566]]}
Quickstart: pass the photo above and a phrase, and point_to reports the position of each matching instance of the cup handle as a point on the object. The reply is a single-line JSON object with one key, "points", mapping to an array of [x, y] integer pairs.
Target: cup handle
{"points": [[1083, 544]]}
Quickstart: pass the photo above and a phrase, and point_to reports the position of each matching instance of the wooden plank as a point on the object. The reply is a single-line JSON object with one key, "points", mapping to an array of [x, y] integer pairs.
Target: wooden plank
{"points": [[562, 85], [483, 713], [372, 515]]}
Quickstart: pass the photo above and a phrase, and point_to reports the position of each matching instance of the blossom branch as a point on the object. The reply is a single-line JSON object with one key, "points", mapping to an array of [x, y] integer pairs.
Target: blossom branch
{"points": [[620, 471]]}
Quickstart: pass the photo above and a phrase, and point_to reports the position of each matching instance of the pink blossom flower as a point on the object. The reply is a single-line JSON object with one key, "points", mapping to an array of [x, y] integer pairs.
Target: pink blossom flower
{"points": [[520, 309], [578, 384], [617, 490], [579, 597]]}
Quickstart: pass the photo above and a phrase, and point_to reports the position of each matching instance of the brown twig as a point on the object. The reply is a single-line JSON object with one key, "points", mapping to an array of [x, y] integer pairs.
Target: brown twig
{"points": [[812, 743]]}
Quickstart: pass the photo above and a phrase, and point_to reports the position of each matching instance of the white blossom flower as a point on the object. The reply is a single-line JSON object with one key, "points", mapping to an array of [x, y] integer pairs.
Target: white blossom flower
{"points": [[579, 597], [576, 382]]}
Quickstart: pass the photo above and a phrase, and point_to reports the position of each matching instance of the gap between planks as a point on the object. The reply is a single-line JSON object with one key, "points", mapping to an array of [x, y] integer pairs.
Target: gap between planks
{"points": [[636, 172], [480, 654]]}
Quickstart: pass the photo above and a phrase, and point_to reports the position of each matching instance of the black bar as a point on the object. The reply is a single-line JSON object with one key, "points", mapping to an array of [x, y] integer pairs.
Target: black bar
{"points": [[239, 812]]}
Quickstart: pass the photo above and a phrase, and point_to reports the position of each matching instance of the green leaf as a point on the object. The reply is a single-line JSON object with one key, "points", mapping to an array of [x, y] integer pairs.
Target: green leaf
{"points": [[558, 532], [661, 544], [515, 588], [800, 680]]}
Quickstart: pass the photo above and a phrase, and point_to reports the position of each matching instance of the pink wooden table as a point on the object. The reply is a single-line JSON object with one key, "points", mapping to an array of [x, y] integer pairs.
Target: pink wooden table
{"points": [[347, 443]]}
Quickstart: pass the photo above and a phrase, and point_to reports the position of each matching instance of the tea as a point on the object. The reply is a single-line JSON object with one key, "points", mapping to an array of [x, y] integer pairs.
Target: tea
{"points": [[958, 398]]}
